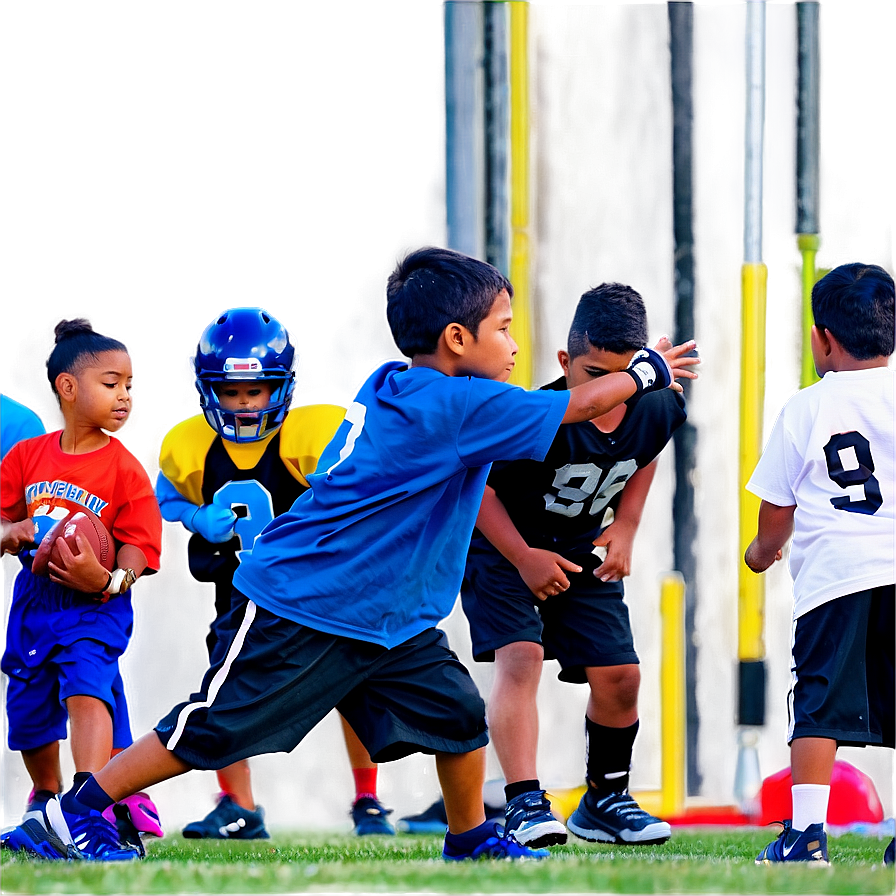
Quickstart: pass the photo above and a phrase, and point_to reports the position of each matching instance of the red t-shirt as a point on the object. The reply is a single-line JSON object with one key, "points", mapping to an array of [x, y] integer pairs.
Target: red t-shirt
{"points": [[38, 478]]}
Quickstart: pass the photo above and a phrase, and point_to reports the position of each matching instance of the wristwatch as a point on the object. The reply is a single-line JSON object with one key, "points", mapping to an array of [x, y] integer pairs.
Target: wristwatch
{"points": [[120, 581]]}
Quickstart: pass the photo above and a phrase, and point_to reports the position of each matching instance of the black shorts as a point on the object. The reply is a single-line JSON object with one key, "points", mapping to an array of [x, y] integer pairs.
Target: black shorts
{"points": [[842, 671], [586, 625], [272, 680]]}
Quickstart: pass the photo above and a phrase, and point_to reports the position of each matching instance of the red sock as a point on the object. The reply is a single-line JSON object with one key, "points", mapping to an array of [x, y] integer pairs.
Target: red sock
{"points": [[365, 782]]}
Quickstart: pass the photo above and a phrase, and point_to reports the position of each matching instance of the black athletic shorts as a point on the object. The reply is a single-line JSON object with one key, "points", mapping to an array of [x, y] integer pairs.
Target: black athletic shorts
{"points": [[586, 625], [842, 671], [272, 680]]}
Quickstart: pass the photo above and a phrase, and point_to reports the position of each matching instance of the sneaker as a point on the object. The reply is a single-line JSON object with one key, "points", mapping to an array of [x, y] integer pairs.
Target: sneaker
{"points": [[529, 819], [890, 852], [369, 817], [497, 846], [431, 820], [33, 838], [135, 816], [809, 846], [37, 806], [616, 818], [93, 837], [228, 821]]}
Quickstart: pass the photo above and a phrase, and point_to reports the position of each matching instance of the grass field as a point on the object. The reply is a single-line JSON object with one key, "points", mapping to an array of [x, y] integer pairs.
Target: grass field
{"points": [[709, 860]]}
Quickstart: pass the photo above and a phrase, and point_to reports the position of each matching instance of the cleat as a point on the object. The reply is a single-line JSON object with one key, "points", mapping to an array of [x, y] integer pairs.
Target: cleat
{"points": [[809, 846], [430, 821], [890, 852], [142, 812], [33, 838], [529, 820], [369, 817], [616, 818], [93, 837], [37, 807], [497, 846], [228, 821]]}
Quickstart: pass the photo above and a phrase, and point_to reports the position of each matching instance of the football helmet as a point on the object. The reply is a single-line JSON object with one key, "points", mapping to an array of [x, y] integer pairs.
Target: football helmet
{"points": [[245, 345]]}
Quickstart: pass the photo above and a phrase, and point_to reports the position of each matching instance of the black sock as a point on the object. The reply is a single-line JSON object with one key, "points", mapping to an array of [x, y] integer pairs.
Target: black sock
{"points": [[609, 756], [518, 787], [89, 795]]}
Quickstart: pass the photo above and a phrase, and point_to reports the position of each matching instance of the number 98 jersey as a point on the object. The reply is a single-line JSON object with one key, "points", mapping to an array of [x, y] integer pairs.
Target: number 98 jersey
{"points": [[562, 502]]}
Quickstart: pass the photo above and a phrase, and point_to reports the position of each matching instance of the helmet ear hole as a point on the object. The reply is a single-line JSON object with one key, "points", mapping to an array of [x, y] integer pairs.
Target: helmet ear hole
{"points": [[245, 345]]}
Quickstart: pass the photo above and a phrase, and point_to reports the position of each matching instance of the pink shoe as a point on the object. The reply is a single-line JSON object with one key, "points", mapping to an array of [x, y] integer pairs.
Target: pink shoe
{"points": [[143, 814]]}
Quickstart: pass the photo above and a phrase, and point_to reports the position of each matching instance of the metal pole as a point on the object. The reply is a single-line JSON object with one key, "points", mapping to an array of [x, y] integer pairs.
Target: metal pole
{"points": [[497, 136], [754, 275]]}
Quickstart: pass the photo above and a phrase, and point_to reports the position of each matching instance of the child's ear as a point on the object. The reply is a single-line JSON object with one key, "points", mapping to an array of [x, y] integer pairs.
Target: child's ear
{"points": [[456, 336], [66, 386], [821, 338], [563, 358]]}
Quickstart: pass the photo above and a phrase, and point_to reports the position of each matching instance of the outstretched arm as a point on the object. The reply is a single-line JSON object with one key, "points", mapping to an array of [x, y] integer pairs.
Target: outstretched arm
{"points": [[544, 572], [775, 527], [650, 370]]}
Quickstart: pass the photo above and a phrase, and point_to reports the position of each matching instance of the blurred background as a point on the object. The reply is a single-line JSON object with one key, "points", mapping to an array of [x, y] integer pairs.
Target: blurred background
{"points": [[164, 161]]}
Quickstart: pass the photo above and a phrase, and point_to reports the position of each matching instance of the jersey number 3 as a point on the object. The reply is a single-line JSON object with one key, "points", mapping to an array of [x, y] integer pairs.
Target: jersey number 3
{"points": [[853, 443]]}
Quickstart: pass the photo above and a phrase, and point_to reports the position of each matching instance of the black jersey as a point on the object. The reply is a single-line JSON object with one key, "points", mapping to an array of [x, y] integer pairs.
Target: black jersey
{"points": [[277, 488], [564, 501]]}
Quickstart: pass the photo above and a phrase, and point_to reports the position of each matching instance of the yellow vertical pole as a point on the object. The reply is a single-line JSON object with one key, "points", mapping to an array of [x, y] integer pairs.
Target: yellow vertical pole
{"points": [[808, 244], [672, 696], [751, 594], [520, 261]]}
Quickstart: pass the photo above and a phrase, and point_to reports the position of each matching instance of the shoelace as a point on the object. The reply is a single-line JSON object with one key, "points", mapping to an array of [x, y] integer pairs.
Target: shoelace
{"points": [[622, 803], [93, 834]]}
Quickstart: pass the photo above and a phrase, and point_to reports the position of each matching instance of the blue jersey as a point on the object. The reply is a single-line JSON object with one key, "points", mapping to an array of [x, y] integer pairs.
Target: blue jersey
{"points": [[375, 549], [16, 423]]}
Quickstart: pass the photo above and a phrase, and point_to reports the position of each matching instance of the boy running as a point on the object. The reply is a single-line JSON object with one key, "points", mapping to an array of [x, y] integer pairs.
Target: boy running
{"points": [[827, 478], [338, 602], [536, 585]]}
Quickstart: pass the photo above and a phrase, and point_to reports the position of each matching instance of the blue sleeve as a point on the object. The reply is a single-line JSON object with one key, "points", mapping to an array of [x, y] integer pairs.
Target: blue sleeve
{"points": [[16, 424], [504, 422], [174, 506]]}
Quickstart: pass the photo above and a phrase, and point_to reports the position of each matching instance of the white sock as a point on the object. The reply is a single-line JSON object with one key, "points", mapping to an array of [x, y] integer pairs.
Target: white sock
{"points": [[810, 804]]}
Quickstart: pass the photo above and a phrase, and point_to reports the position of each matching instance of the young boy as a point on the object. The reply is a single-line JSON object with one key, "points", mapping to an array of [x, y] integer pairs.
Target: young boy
{"points": [[225, 474], [826, 477], [338, 602], [536, 587]]}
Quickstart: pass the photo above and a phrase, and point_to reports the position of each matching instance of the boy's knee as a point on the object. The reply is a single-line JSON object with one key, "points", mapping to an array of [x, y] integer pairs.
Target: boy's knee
{"points": [[623, 682], [519, 664]]}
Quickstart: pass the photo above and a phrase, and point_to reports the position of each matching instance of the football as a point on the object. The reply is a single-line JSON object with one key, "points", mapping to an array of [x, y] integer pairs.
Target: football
{"points": [[91, 528]]}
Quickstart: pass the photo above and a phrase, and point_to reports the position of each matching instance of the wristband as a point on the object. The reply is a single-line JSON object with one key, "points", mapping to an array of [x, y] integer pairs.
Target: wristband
{"points": [[650, 370], [120, 581]]}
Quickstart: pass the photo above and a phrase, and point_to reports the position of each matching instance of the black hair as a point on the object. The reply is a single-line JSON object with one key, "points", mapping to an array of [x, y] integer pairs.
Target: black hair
{"points": [[610, 317], [431, 288], [855, 303], [77, 343]]}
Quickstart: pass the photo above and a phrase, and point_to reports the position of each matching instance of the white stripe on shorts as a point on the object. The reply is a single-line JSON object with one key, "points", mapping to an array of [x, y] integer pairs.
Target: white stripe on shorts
{"points": [[793, 681], [219, 678]]}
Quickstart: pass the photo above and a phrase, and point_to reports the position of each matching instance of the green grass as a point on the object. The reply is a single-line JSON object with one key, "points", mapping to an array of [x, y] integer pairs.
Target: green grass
{"points": [[694, 861]]}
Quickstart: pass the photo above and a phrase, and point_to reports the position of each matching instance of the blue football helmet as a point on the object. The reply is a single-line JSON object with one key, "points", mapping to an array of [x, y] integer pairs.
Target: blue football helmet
{"points": [[245, 345]]}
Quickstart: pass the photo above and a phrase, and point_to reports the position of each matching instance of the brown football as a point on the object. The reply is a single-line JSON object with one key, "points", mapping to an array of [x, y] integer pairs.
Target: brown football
{"points": [[91, 528]]}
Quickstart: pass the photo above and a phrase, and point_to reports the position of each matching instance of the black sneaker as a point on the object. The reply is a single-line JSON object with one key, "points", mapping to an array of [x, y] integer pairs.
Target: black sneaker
{"points": [[616, 818], [529, 820], [228, 821], [369, 817]]}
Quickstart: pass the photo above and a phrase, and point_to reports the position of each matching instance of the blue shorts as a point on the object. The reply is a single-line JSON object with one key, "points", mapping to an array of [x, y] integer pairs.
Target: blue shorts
{"points": [[842, 684], [586, 625], [272, 680], [59, 644]]}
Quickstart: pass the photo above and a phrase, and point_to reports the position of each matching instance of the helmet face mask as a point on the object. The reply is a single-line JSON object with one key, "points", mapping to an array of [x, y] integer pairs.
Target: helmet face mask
{"points": [[245, 345]]}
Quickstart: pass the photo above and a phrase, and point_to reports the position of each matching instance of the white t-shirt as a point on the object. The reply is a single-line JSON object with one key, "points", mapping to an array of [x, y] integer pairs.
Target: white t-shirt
{"points": [[831, 454]]}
